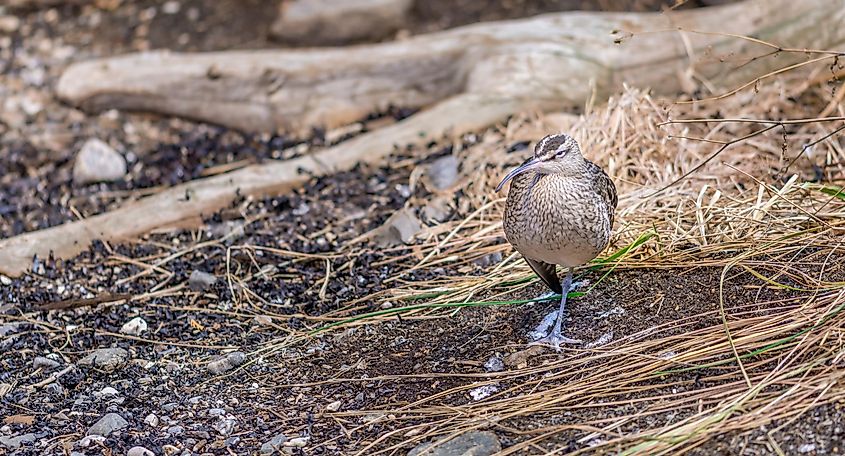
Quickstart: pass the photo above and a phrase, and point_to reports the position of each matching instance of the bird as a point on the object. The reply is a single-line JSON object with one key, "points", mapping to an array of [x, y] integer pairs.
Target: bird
{"points": [[559, 212]]}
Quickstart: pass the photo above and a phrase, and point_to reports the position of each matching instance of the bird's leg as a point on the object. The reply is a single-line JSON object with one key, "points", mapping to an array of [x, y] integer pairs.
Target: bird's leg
{"points": [[556, 338]]}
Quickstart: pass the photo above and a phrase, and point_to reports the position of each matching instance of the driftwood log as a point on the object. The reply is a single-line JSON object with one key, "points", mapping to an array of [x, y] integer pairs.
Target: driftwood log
{"points": [[327, 22], [465, 79]]}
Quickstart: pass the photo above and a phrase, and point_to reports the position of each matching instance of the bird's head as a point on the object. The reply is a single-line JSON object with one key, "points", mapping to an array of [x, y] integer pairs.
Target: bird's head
{"points": [[557, 153]]}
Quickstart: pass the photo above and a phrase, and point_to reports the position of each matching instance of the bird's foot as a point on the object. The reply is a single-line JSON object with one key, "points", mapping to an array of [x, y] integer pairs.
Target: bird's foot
{"points": [[555, 340], [540, 335]]}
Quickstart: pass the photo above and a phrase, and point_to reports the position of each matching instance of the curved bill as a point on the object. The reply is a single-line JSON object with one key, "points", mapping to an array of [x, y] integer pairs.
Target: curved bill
{"points": [[527, 166]]}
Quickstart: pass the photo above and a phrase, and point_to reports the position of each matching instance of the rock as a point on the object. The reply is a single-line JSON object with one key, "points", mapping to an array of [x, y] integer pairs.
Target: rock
{"points": [[151, 420], [90, 440], [9, 24], [275, 444], [134, 327], [483, 392], [226, 363], [201, 281], [520, 359], [175, 430], [326, 22], [334, 406], [139, 451], [107, 359], [98, 162], [443, 172], [476, 443], [807, 448], [45, 363], [107, 392], [263, 320], [297, 442], [16, 442], [494, 364], [5, 280], [437, 210], [9, 328], [400, 228], [489, 259], [107, 424], [225, 425]]}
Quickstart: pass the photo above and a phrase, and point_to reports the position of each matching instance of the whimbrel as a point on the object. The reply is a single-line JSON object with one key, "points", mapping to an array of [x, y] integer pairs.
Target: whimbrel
{"points": [[559, 211]]}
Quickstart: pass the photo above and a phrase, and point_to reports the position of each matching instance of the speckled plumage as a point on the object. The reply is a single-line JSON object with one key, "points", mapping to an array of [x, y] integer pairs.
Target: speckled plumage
{"points": [[559, 211], [565, 218]]}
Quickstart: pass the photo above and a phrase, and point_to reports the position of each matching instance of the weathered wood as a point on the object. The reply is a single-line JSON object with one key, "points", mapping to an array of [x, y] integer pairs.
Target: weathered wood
{"points": [[330, 22], [555, 57]]}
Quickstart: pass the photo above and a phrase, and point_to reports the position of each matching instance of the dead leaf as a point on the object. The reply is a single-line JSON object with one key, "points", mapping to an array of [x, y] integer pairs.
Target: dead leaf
{"points": [[19, 419]]}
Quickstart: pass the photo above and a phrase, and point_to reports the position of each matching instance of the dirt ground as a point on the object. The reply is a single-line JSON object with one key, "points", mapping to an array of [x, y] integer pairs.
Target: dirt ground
{"points": [[323, 394]]}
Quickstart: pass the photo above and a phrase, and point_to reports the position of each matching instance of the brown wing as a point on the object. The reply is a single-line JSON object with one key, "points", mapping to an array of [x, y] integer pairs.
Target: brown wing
{"points": [[547, 272], [605, 188]]}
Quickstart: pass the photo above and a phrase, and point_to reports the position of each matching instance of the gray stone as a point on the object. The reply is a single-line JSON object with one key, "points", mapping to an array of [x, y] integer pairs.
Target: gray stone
{"points": [[476, 443], [151, 420], [175, 430], [9, 328], [98, 162], [274, 444], [226, 363], [107, 424], [201, 281], [134, 327], [107, 359], [139, 451], [45, 363], [494, 364], [16, 442], [443, 172], [400, 228], [225, 425]]}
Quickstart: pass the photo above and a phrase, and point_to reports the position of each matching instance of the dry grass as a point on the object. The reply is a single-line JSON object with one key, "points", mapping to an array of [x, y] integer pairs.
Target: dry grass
{"points": [[751, 208]]}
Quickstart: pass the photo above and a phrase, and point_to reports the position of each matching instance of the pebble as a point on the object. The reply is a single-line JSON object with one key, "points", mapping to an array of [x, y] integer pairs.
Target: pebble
{"points": [[107, 424], [89, 440], [274, 444], [107, 359], [45, 363], [494, 364], [151, 420], [134, 327], [175, 430], [400, 228], [443, 172], [16, 442], [5, 280], [334, 406], [201, 280], [98, 162], [139, 451], [297, 442], [225, 425], [107, 391], [226, 363], [489, 259], [9, 24], [263, 320], [476, 443]]}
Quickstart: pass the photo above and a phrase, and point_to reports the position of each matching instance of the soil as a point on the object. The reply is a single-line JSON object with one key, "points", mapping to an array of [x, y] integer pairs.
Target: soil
{"points": [[318, 391]]}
